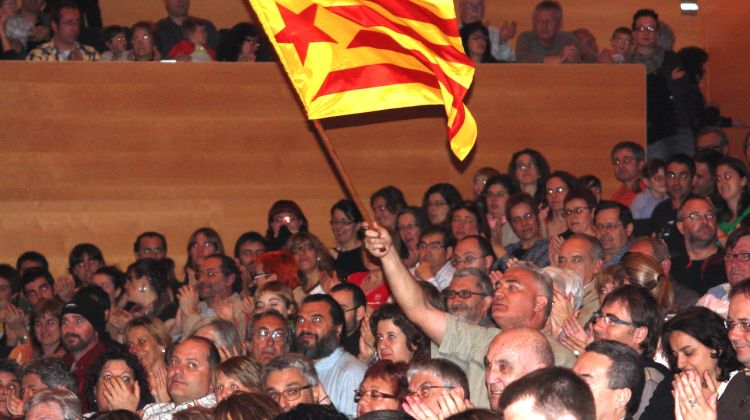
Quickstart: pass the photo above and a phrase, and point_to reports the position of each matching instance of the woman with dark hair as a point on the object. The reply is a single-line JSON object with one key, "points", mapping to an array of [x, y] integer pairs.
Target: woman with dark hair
{"points": [[144, 39], [475, 38], [46, 340], [247, 406], [694, 61], [496, 191], [385, 203], [383, 387], [466, 220], [147, 289], [202, 243], [528, 170], [346, 224], [111, 383], [396, 338], [734, 200], [696, 340], [285, 218], [240, 44], [438, 201], [411, 221], [313, 261], [558, 184]]}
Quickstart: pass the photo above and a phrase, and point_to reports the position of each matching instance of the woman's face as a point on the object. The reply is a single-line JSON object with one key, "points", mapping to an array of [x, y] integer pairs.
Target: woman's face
{"points": [[729, 183], [463, 223], [105, 282], [344, 229], [143, 43], [645, 30], [227, 385], [119, 43], [111, 370], [391, 343], [621, 43], [437, 208], [367, 403], [201, 248], [408, 230], [658, 182], [143, 346], [497, 196], [527, 172], [47, 329], [305, 256], [270, 300], [556, 191], [248, 50], [283, 218], [691, 354], [477, 43]]}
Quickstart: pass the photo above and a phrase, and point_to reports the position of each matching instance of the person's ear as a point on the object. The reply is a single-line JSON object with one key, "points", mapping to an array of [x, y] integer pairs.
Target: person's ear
{"points": [[360, 314], [486, 303], [540, 303], [448, 252], [629, 229], [680, 228], [598, 266], [622, 396]]}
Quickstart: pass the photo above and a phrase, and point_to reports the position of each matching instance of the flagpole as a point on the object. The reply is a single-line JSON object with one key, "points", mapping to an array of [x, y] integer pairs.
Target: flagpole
{"points": [[350, 190]]}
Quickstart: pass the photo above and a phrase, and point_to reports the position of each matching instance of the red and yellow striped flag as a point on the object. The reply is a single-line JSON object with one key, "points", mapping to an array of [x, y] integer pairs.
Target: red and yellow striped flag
{"points": [[352, 56]]}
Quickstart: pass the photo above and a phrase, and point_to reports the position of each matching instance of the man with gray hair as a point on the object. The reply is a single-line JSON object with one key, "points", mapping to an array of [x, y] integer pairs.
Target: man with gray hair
{"points": [[42, 374], [583, 254], [546, 43], [292, 380], [53, 404], [469, 296], [428, 378]]}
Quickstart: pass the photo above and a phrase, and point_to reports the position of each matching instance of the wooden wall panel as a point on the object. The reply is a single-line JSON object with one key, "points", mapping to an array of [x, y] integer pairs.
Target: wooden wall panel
{"points": [[102, 152]]}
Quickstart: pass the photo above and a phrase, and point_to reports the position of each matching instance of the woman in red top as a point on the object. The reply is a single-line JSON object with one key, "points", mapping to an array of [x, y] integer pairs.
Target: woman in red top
{"points": [[372, 282]]}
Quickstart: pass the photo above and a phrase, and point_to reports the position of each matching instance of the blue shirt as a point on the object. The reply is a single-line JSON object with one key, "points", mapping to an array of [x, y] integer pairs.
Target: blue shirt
{"points": [[341, 373], [644, 204]]}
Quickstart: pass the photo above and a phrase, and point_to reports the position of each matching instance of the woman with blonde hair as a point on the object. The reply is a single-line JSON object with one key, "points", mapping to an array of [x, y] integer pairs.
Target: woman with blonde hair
{"points": [[237, 374], [275, 295], [645, 271], [148, 339]]}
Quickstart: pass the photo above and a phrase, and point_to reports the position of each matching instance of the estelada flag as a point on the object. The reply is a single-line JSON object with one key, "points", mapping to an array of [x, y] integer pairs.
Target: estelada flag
{"points": [[353, 56]]}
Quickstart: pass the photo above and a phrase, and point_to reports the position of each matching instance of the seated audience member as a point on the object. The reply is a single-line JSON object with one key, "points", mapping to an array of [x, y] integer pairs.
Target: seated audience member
{"points": [[83, 330], [458, 341], [557, 187], [372, 282], [354, 304], [494, 197], [65, 21], [645, 271], [247, 249], [116, 381], [627, 160], [712, 138], [247, 406], [28, 27], [704, 182], [411, 221], [736, 268], [237, 374], [469, 296], [285, 218], [12, 323], [39, 375], [269, 336], [44, 330], [37, 284], [192, 364], [385, 204], [144, 38], [396, 338], [30, 259], [578, 212], [567, 299], [738, 326], [147, 289], [110, 279], [346, 225], [291, 380], [475, 38], [195, 45], [150, 245], [83, 261], [680, 173], [277, 296], [479, 182], [591, 183], [383, 387], [511, 355], [546, 43], [202, 243], [473, 251], [733, 205], [523, 215], [279, 266], [313, 261], [472, 11], [243, 43], [548, 393], [438, 202], [466, 220], [613, 224], [170, 27], [116, 40], [529, 171], [428, 379], [654, 176], [621, 41], [587, 46], [10, 386], [148, 339], [53, 404], [615, 376], [435, 252], [222, 334], [320, 326]]}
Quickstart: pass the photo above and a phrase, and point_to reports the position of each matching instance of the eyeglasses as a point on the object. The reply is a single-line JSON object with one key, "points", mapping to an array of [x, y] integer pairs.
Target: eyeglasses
{"points": [[558, 190], [577, 210], [196, 245], [425, 390], [682, 175], [526, 216], [610, 319], [456, 260], [379, 209], [293, 393], [525, 166], [372, 394], [742, 256], [432, 245], [302, 248], [149, 251], [264, 334], [340, 222], [697, 217], [646, 29], [261, 276], [743, 326], [608, 226], [463, 294], [624, 161]]}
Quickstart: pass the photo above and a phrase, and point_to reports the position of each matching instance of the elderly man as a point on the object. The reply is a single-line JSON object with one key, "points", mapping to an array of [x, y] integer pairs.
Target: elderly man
{"points": [[584, 255], [628, 159], [53, 404], [613, 224], [190, 372], [522, 298], [170, 28], [269, 336], [469, 296], [615, 375], [435, 250], [292, 380], [546, 394], [736, 268], [65, 20], [547, 43], [472, 11], [428, 378]]}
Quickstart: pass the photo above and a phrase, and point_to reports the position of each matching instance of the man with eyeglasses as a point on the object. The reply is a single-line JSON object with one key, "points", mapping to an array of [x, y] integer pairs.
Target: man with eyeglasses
{"points": [[435, 251], [150, 245], [469, 296], [703, 267], [737, 269], [523, 215], [738, 325], [630, 315], [473, 251], [613, 224], [628, 159], [292, 380], [429, 378], [547, 43], [679, 178], [320, 326], [353, 302], [268, 336]]}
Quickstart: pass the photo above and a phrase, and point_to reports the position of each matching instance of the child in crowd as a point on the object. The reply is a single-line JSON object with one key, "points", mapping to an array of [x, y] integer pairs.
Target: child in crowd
{"points": [[116, 40], [622, 40], [193, 48], [653, 174]]}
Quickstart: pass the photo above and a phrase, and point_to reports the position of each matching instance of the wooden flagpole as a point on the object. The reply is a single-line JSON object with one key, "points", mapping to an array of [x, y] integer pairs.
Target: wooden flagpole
{"points": [[341, 172]]}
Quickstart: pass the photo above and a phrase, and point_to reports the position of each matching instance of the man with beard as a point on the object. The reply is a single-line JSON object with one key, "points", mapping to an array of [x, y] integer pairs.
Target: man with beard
{"points": [[320, 326], [354, 304], [247, 249], [613, 225], [523, 215], [82, 327], [704, 182], [190, 373], [736, 267], [469, 296], [680, 173], [703, 267], [627, 162]]}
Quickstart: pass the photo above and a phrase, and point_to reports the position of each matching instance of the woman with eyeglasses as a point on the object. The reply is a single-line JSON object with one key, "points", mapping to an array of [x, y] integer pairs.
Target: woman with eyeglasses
{"points": [[237, 374], [529, 171], [396, 338], [495, 195], [383, 387], [734, 203], [202, 243], [314, 263], [111, 383], [346, 225], [148, 339], [285, 218]]}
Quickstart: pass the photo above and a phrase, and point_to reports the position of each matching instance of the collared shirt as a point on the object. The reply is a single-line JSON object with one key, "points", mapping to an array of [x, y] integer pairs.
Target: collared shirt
{"points": [[341, 373], [443, 277], [617, 257], [49, 52], [537, 254], [164, 411]]}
